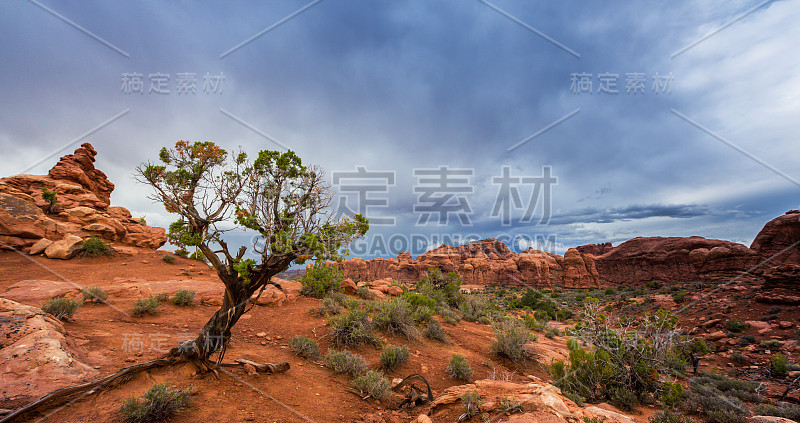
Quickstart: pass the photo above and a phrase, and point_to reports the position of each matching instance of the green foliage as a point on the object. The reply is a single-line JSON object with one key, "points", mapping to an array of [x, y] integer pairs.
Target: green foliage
{"points": [[472, 404], [533, 324], [671, 394], [52, 199], [162, 297], [321, 279], [365, 293], [61, 307], [747, 340], [610, 291], [736, 326], [434, 330], [159, 403], [473, 307], [544, 308], [346, 362], [373, 384], [199, 256], [304, 347], [183, 297], [352, 329], [94, 294], [653, 284], [142, 221], [459, 368], [331, 305], [449, 316], [445, 288], [419, 300], [784, 409], [94, 246], [393, 356], [146, 306], [395, 317], [168, 258], [679, 296], [780, 365], [510, 338], [669, 417], [719, 399], [510, 405], [771, 344]]}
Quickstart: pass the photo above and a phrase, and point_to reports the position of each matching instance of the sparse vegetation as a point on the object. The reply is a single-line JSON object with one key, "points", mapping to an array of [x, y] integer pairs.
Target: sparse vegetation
{"points": [[62, 308], [771, 344], [669, 417], [346, 362], [52, 199], [364, 293], [395, 317], [94, 247], [784, 409], [472, 404], [94, 294], [393, 356], [373, 384], [162, 297], [159, 403], [168, 258], [183, 297], [511, 336], [736, 326], [434, 330], [720, 399], [304, 347], [320, 279], [144, 306], [331, 305], [780, 365], [459, 368], [352, 329]]}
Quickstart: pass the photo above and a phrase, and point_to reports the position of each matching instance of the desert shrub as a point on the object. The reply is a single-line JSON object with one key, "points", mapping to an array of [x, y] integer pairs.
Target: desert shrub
{"points": [[544, 308], [94, 294], [146, 306], [321, 279], [551, 332], [419, 300], [653, 285], [395, 317], [449, 316], [183, 297], [346, 362], [330, 306], [671, 394], [168, 258], [771, 344], [510, 338], [669, 417], [352, 329], [52, 199], [198, 256], [679, 296], [510, 405], [393, 356], [623, 397], [142, 221], [738, 358], [736, 326], [445, 288], [304, 347], [434, 330], [94, 246], [610, 291], [373, 384], [182, 253], [473, 307], [747, 340], [61, 307], [532, 324], [785, 410], [718, 398], [780, 365], [365, 293], [459, 367], [157, 404], [472, 404]]}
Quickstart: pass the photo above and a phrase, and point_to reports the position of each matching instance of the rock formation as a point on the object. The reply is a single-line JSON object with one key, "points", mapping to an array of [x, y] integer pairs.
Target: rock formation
{"points": [[778, 240], [82, 209], [481, 263]]}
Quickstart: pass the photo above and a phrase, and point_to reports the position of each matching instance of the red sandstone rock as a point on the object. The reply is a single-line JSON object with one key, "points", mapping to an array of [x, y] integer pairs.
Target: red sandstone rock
{"points": [[776, 241], [79, 167]]}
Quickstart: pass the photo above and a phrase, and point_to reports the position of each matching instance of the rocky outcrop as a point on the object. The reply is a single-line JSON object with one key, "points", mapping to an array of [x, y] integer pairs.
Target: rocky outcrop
{"points": [[779, 240], [484, 262], [34, 355], [82, 208], [595, 249]]}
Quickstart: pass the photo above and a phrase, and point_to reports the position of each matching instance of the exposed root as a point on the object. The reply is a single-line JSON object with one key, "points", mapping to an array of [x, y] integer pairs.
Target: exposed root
{"points": [[414, 396], [263, 368]]}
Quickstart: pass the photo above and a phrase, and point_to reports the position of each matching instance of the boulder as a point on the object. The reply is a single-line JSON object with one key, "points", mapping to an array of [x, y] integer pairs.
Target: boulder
{"points": [[39, 246], [34, 356], [64, 249]]}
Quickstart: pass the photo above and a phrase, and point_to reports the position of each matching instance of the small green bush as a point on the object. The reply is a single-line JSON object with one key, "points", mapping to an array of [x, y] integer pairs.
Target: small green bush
{"points": [[330, 306], [198, 256], [671, 394], [168, 258], [434, 330], [395, 317], [183, 297], [449, 316], [472, 404], [738, 358], [182, 253], [780, 365], [610, 291], [747, 340], [162, 297], [373, 384], [736, 326], [304, 347], [653, 285], [365, 293], [669, 417], [393, 356], [52, 199], [346, 362], [146, 306], [352, 329], [321, 279], [771, 344], [61, 307], [511, 336], [94, 247], [459, 367], [679, 296], [159, 403], [94, 294]]}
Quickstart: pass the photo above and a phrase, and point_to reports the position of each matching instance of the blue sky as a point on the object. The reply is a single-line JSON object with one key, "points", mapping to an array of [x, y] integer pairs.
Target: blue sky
{"points": [[398, 86]]}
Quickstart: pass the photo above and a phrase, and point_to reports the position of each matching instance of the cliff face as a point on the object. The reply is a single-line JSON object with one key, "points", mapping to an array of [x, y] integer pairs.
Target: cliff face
{"points": [[83, 207], [774, 254]]}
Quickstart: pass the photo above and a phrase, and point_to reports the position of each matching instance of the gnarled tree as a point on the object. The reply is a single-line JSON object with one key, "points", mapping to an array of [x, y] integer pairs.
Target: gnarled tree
{"points": [[275, 196]]}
